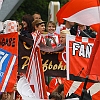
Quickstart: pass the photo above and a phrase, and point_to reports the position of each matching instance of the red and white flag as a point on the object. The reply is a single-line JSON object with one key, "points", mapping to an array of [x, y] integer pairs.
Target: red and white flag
{"points": [[86, 12], [35, 73], [76, 87]]}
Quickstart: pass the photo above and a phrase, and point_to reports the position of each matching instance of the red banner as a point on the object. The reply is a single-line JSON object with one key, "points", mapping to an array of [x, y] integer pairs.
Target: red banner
{"points": [[78, 53], [8, 61]]}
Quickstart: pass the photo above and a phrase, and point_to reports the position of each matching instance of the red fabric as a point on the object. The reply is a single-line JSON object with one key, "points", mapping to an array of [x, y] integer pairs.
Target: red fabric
{"points": [[32, 87], [35, 68], [60, 57], [68, 86], [13, 50], [47, 89], [73, 7], [78, 63], [94, 63], [36, 35]]}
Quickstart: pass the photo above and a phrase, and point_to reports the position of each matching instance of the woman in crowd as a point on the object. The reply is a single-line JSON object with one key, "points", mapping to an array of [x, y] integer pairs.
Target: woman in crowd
{"points": [[63, 36], [27, 26]]}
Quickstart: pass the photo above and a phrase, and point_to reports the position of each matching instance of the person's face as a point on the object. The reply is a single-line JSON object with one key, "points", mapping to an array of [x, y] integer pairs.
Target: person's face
{"points": [[24, 24], [36, 16], [62, 39], [41, 28], [72, 23], [4, 96], [51, 28], [69, 24], [8, 96]]}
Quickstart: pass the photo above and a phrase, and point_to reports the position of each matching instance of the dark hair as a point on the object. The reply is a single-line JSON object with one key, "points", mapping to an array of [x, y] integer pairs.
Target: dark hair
{"points": [[37, 13], [28, 19], [60, 88], [55, 96]]}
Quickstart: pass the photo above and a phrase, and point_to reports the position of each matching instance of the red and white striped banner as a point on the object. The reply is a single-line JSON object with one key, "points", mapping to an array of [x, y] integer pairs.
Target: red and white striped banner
{"points": [[76, 87], [35, 73]]}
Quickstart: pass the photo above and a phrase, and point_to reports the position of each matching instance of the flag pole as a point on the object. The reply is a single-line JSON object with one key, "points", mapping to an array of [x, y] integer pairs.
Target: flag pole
{"points": [[84, 88]]}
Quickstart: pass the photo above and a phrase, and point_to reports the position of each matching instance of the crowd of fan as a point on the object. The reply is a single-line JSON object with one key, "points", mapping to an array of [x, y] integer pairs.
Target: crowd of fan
{"points": [[52, 36]]}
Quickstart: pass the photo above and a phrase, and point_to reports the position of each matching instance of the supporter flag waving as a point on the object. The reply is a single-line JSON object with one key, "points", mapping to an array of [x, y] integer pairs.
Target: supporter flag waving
{"points": [[85, 12], [34, 72]]}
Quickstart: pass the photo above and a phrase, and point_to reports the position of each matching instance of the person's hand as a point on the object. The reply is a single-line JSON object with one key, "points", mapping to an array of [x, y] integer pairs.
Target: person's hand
{"points": [[15, 87], [59, 80]]}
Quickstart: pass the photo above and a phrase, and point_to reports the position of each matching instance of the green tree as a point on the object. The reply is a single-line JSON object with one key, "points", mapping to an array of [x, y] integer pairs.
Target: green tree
{"points": [[32, 6]]}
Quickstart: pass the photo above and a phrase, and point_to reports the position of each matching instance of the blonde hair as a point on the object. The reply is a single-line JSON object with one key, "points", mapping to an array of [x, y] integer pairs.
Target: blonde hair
{"points": [[64, 32]]}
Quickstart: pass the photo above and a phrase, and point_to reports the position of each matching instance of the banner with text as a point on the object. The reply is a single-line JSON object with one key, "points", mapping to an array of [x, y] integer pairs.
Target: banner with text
{"points": [[8, 61], [53, 60], [78, 54]]}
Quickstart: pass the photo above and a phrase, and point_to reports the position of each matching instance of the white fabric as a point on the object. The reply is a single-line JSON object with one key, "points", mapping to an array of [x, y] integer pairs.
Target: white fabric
{"points": [[73, 99], [24, 89], [74, 87], [86, 14], [10, 26], [94, 88]]}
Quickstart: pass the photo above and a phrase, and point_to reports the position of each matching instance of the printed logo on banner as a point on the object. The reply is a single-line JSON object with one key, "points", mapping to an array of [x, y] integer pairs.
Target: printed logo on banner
{"points": [[4, 58]]}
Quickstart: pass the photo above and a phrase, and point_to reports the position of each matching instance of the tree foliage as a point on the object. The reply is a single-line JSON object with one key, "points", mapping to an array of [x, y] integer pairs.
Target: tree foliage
{"points": [[32, 6]]}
